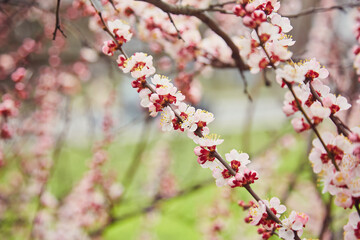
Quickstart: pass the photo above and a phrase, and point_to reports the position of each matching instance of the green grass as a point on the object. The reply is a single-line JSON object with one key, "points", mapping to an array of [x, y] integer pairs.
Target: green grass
{"points": [[182, 217]]}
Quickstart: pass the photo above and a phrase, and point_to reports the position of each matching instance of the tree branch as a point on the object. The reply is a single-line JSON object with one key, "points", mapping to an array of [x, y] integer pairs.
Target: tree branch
{"points": [[301, 109], [270, 213], [57, 21], [177, 30], [314, 10], [341, 127], [198, 13]]}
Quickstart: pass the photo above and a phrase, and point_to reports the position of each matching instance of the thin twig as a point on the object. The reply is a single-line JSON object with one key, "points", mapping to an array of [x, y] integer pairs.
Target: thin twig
{"points": [[215, 5], [313, 127], [220, 10], [341, 127], [199, 13], [177, 30], [327, 218], [113, 5], [57, 21], [266, 79], [271, 215], [341, 7], [107, 30], [357, 202], [301, 109]]}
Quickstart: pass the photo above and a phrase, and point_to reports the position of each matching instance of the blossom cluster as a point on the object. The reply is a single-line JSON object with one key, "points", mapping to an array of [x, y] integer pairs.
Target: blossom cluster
{"points": [[258, 216], [356, 48], [87, 204], [10, 104], [162, 96], [336, 158], [333, 156], [352, 228], [179, 41], [181, 45], [269, 32], [312, 95], [122, 34], [8, 108]]}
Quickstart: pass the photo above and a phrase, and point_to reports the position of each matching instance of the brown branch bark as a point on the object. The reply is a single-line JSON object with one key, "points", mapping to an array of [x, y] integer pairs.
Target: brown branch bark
{"points": [[314, 10], [199, 13], [57, 21], [327, 219], [177, 30], [341, 127], [270, 213], [301, 109]]}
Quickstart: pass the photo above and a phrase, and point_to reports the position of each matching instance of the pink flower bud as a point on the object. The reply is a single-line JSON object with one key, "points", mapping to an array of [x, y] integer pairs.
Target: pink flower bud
{"points": [[239, 177], [18, 75], [197, 151], [249, 22], [250, 8]]}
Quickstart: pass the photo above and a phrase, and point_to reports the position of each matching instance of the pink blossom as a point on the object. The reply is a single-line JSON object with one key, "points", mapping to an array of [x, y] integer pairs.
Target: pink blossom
{"points": [[352, 228], [242, 158], [344, 199], [282, 23], [278, 52], [243, 177], [167, 118], [318, 112], [121, 31], [18, 75], [266, 32], [207, 149], [257, 212], [290, 105], [314, 70], [337, 145], [8, 107], [139, 65], [257, 61], [294, 223], [238, 162], [335, 104], [109, 47], [259, 216], [239, 11], [300, 124], [197, 123], [289, 73]]}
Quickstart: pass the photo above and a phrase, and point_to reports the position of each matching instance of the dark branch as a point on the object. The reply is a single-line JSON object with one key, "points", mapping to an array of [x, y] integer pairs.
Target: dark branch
{"points": [[113, 5], [314, 10], [327, 218], [271, 215], [341, 127], [57, 21], [177, 30], [199, 13], [221, 4]]}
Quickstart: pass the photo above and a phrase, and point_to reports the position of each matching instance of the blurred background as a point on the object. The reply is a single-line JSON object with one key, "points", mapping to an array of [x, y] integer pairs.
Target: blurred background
{"points": [[84, 160]]}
